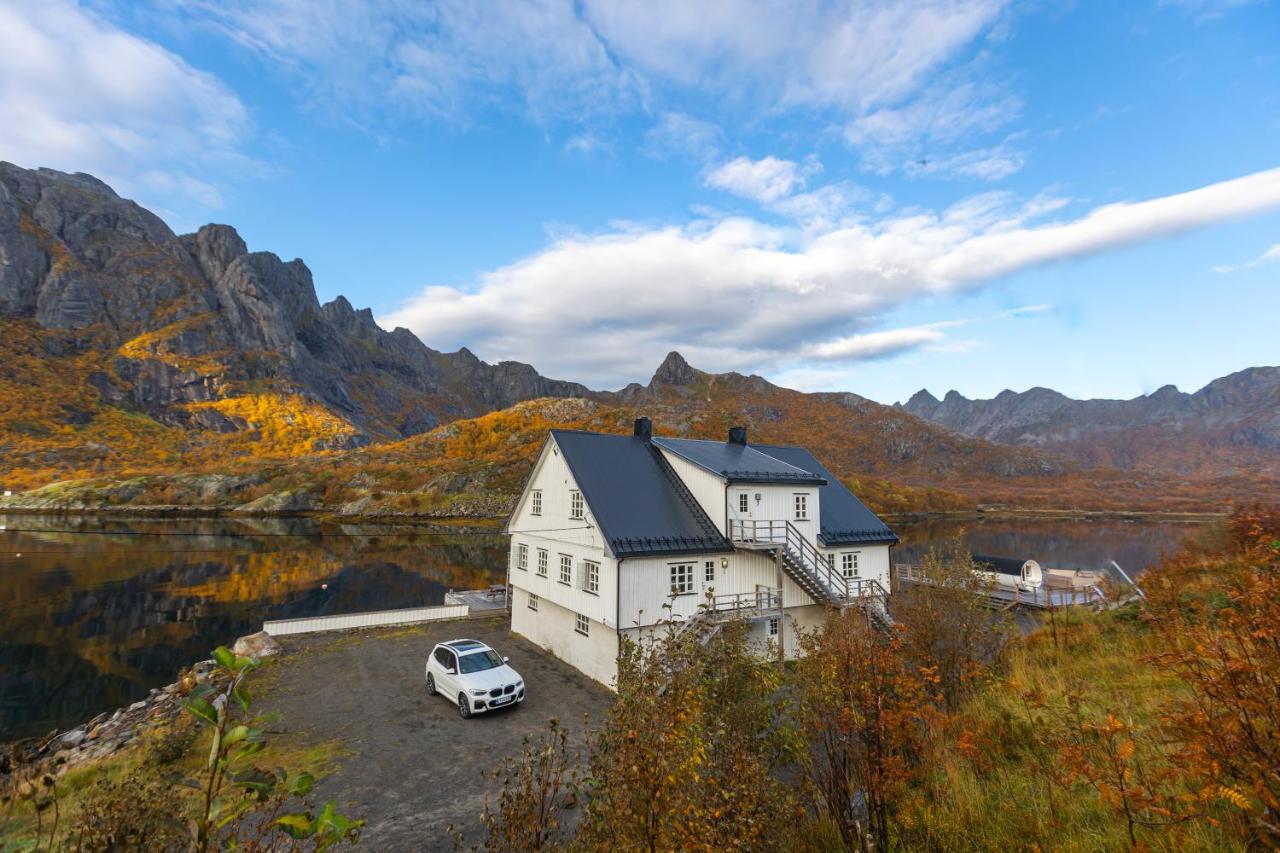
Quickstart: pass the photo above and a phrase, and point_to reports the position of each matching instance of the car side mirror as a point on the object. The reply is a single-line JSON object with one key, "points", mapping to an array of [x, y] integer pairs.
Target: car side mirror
{"points": [[448, 670], [505, 659]]}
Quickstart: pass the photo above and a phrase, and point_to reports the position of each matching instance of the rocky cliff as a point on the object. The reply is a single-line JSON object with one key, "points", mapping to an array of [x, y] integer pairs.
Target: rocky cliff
{"points": [[174, 326]]}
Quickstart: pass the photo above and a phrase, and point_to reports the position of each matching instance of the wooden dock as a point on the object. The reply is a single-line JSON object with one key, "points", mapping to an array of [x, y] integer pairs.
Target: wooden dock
{"points": [[1060, 588]]}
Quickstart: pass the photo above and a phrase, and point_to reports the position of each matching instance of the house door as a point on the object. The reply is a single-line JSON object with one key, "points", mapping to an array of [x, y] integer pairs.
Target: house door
{"points": [[744, 506]]}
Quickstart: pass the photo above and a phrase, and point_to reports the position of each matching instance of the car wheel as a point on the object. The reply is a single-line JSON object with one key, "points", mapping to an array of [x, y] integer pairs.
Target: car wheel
{"points": [[431, 684], [464, 707]]}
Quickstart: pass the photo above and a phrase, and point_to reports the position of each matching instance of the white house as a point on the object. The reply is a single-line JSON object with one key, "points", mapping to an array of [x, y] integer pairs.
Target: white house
{"points": [[614, 534]]}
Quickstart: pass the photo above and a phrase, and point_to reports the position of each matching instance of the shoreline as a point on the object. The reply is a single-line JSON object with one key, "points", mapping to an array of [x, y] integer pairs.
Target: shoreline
{"points": [[457, 523]]}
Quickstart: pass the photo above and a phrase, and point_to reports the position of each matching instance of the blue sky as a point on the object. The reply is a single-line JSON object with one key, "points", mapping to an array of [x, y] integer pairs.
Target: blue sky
{"points": [[868, 196]]}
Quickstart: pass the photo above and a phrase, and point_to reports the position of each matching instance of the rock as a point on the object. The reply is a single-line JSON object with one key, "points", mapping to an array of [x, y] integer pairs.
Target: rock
{"points": [[137, 706], [73, 737], [259, 645]]}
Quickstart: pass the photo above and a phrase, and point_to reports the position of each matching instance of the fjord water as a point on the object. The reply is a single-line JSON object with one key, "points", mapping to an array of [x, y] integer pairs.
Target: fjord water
{"points": [[95, 612]]}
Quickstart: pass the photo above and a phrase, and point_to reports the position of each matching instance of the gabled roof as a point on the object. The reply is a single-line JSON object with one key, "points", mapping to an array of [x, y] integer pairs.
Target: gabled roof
{"points": [[740, 463], [640, 504], [845, 520]]}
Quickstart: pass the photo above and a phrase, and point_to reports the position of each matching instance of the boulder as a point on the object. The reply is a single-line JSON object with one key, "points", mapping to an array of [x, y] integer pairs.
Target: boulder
{"points": [[259, 645]]}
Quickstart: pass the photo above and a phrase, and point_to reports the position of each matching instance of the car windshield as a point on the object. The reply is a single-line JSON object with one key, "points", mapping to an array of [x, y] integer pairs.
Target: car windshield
{"points": [[479, 661]]}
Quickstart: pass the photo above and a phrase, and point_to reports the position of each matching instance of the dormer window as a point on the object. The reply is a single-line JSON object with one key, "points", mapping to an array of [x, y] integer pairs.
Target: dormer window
{"points": [[535, 502], [575, 504], [802, 507]]}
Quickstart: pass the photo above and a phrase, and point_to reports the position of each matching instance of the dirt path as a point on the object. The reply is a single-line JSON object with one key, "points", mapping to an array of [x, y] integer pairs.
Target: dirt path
{"points": [[415, 767]]}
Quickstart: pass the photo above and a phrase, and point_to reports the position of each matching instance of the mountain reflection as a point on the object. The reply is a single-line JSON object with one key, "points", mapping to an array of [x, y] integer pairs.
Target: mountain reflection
{"points": [[95, 613]]}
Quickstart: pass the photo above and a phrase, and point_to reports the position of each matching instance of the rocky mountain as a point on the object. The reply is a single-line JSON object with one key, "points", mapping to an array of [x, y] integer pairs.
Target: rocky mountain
{"points": [[1230, 426], [196, 331]]}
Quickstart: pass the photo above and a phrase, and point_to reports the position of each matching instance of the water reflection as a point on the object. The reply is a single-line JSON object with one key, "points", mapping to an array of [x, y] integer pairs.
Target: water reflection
{"points": [[1059, 543], [94, 613]]}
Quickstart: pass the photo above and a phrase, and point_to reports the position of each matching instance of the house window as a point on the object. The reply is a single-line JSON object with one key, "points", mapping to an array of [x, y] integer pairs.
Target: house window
{"points": [[681, 578], [581, 624], [591, 577], [802, 507], [849, 564], [743, 503], [773, 626], [542, 562], [522, 557], [566, 569], [575, 504], [535, 502], [533, 602], [709, 571], [831, 562]]}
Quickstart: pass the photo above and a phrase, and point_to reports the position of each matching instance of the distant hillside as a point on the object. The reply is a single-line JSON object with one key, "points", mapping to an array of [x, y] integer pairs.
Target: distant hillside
{"points": [[1230, 427]]}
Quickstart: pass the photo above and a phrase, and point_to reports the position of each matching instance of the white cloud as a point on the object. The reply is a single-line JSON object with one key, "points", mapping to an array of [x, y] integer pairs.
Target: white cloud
{"points": [[1269, 256], [737, 294], [765, 180], [79, 94], [872, 63], [683, 135]]}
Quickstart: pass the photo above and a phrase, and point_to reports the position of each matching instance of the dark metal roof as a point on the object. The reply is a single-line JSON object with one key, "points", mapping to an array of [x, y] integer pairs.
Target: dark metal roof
{"points": [[845, 520], [740, 463], [640, 504], [1002, 565]]}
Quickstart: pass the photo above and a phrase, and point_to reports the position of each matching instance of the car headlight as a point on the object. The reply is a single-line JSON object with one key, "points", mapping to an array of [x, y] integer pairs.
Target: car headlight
{"points": [[475, 692]]}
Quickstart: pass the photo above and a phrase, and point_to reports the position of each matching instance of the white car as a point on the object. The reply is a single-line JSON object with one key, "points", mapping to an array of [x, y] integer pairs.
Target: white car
{"points": [[474, 676]]}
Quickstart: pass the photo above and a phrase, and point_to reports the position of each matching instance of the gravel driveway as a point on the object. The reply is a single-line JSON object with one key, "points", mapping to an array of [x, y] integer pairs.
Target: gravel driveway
{"points": [[415, 767]]}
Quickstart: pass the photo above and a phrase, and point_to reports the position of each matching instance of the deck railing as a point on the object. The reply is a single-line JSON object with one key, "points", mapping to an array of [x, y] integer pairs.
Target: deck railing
{"points": [[745, 603], [820, 572]]}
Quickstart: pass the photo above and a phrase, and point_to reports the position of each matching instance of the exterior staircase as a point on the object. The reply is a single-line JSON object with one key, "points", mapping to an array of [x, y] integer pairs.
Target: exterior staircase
{"points": [[802, 562]]}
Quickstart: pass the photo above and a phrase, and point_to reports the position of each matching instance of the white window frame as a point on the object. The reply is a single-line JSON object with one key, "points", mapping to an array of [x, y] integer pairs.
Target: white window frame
{"points": [[533, 602], [577, 508], [773, 625], [681, 578], [582, 625], [566, 570], [542, 562], [709, 571], [522, 557], [801, 502], [591, 577], [744, 502], [535, 502], [849, 564]]}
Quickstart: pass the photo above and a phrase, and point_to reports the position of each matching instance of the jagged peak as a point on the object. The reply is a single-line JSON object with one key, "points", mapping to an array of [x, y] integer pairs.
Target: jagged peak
{"points": [[922, 398], [674, 370]]}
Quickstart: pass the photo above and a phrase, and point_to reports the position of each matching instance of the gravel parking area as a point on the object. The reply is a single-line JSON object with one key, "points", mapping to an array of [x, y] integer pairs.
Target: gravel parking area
{"points": [[415, 767]]}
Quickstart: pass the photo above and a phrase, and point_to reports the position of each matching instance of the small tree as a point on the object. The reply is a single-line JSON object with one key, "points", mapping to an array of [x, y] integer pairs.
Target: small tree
{"points": [[946, 623], [1218, 619], [537, 789], [241, 805], [687, 757], [863, 713]]}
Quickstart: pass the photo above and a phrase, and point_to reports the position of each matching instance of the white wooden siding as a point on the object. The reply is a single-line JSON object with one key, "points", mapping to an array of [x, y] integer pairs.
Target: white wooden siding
{"points": [[552, 477], [707, 489], [777, 503], [873, 560], [552, 627]]}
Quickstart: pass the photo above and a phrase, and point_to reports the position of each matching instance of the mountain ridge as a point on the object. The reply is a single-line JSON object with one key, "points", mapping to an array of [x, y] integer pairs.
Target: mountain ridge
{"points": [[1231, 423]]}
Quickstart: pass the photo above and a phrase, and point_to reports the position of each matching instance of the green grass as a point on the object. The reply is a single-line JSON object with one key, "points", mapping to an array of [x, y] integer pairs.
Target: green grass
{"points": [[1001, 794]]}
